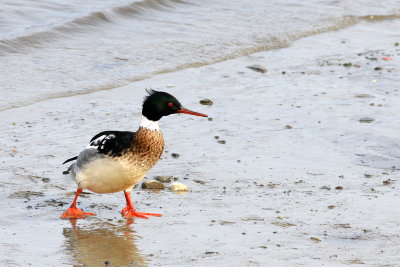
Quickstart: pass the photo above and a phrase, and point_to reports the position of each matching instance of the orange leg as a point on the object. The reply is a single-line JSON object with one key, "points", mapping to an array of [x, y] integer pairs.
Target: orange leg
{"points": [[130, 212], [73, 212]]}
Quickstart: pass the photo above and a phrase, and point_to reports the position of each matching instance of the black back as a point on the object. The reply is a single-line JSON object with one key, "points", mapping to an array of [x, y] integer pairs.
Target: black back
{"points": [[112, 143]]}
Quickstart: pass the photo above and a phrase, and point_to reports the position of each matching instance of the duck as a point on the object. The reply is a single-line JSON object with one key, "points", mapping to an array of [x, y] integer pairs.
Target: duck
{"points": [[116, 161]]}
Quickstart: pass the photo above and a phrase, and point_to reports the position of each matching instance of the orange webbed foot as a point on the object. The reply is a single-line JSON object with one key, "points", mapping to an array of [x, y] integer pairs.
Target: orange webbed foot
{"points": [[127, 212], [75, 213]]}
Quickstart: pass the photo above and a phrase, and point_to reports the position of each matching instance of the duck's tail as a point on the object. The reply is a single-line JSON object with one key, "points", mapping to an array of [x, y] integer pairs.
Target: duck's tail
{"points": [[70, 167], [71, 159]]}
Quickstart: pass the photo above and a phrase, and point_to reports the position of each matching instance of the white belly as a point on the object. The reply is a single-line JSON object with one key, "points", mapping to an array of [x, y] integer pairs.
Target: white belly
{"points": [[106, 175]]}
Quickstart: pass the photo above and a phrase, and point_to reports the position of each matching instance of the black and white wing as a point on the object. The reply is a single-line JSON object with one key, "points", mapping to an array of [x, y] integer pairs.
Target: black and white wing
{"points": [[112, 143]]}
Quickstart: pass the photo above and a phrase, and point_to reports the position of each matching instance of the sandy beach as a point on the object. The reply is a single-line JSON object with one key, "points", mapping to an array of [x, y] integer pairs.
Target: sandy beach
{"points": [[298, 166]]}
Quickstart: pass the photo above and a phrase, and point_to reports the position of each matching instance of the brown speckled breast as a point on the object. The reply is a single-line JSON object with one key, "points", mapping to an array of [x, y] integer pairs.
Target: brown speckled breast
{"points": [[146, 149]]}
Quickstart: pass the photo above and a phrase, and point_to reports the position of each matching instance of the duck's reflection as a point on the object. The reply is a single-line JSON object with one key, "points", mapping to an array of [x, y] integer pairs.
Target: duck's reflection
{"points": [[103, 244]]}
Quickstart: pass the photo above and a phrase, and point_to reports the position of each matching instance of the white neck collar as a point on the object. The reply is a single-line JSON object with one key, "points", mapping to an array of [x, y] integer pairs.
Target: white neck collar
{"points": [[151, 125]]}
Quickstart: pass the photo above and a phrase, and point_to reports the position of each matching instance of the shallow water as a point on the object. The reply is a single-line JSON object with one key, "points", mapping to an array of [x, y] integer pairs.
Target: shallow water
{"points": [[59, 48]]}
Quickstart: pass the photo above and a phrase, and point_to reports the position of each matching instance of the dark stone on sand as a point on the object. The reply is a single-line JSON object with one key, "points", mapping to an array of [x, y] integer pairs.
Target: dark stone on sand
{"points": [[378, 68], [348, 64], [175, 155], [366, 120], [65, 172], [45, 180], [199, 181], [210, 119], [387, 182], [206, 102], [257, 68], [339, 187], [325, 187], [51, 202], [26, 194], [152, 184], [164, 179], [221, 142]]}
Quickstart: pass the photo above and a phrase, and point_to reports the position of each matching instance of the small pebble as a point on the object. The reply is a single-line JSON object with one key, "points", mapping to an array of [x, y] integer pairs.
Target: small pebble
{"points": [[221, 142], [211, 252], [175, 155], [152, 184], [387, 182], [366, 120], [206, 102], [339, 187], [342, 225], [364, 96], [164, 179], [257, 68], [315, 239]]}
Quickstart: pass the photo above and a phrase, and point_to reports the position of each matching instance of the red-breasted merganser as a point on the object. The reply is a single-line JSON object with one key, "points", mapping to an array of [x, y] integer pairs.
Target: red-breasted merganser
{"points": [[115, 161]]}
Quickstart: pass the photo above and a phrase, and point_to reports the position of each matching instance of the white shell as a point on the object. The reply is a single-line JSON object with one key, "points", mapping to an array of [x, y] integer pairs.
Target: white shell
{"points": [[178, 187]]}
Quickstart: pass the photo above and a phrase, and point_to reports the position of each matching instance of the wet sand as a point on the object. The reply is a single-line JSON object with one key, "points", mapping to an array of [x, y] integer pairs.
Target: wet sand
{"points": [[306, 176]]}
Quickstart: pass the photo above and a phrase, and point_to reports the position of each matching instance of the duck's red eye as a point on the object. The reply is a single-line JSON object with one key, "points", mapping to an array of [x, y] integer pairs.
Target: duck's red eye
{"points": [[170, 104]]}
